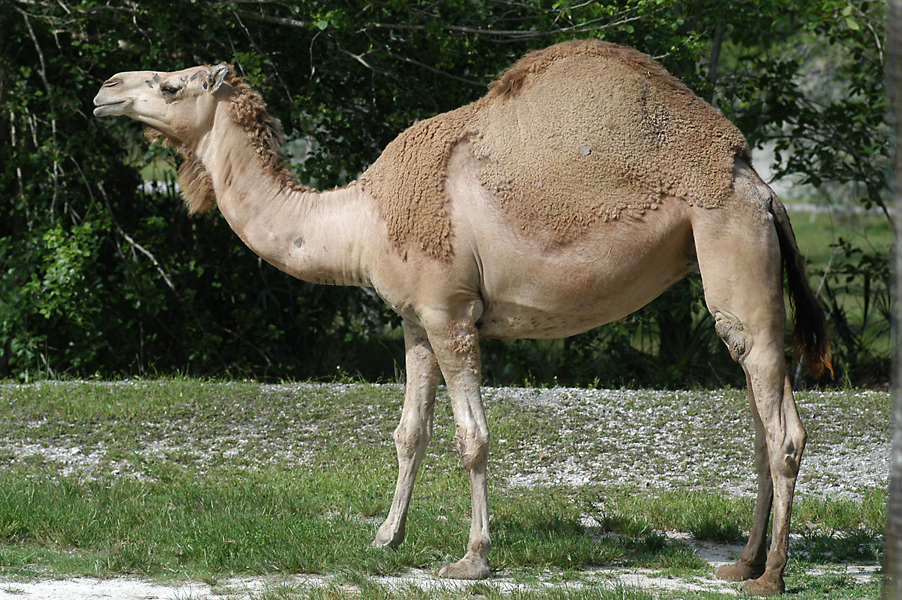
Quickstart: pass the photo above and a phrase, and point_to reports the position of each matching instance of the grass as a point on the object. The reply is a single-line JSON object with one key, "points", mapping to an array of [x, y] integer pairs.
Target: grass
{"points": [[206, 481]]}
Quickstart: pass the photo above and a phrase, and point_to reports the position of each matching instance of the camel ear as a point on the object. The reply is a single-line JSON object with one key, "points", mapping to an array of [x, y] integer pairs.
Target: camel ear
{"points": [[217, 76]]}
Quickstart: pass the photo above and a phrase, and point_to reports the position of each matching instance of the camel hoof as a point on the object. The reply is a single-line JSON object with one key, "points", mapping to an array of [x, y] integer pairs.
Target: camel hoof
{"points": [[739, 571], [768, 584], [469, 567], [386, 538]]}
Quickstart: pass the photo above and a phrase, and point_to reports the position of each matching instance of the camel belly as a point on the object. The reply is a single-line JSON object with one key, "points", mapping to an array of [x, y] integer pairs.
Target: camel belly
{"points": [[516, 322], [535, 282], [531, 291], [555, 308]]}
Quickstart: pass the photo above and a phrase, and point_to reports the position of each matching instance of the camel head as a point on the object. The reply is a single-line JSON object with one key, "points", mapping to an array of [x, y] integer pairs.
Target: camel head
{"points": [[180, 105], [181, 108]]}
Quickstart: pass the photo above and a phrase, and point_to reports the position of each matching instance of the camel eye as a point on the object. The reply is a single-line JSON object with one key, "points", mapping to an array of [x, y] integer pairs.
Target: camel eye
{"points": [[169, 89]]}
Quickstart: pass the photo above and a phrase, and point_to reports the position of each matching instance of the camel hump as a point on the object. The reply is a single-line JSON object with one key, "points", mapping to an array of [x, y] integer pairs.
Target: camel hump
{"points": [[576, 134], [587, 132], [532, 65]]}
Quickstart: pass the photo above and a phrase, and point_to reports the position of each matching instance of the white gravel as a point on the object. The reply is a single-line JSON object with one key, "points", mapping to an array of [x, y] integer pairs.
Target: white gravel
{"points": [[667, 439]]}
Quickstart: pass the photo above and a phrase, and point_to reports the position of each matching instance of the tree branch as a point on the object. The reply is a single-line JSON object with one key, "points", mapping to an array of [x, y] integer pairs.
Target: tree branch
{"points": [[715, 56], [434, 70], [511, 33], [131, 242], [275, 20]]}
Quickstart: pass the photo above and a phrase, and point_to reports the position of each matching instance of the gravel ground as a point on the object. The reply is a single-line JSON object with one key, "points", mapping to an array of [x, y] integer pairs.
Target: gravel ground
{"points": [[609, 437], [673, 439], [648, 438]]}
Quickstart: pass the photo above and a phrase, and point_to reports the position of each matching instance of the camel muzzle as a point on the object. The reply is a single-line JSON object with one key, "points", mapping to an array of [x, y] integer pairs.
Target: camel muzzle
{"points": [[109, 107]]}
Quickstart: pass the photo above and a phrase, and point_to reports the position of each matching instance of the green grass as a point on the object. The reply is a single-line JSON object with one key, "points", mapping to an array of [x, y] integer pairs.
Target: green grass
{"points": [[206, 481]]}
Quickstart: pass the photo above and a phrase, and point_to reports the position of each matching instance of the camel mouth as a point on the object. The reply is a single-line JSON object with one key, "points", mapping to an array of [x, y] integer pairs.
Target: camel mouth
{"points": [[109, 108]]}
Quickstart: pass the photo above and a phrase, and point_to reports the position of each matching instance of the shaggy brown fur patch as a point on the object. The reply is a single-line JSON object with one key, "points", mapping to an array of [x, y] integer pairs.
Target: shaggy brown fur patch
{"points": [[195, 183], [408, 181], [248, 110], [588, 131], [573, 134]]}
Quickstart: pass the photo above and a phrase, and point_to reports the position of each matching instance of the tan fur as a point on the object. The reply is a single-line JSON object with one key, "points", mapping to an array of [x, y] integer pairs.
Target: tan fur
{"points": [[511, 81], [579, 132], [248, 110], [408, 180]]}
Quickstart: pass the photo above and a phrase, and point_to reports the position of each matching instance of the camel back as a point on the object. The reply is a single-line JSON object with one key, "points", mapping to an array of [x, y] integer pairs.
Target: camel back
{"points": [[570, 135]]}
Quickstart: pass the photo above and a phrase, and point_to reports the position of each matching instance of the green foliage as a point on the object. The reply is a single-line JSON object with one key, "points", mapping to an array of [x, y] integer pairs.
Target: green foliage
{"points": [[102, 277], [858, 296]]}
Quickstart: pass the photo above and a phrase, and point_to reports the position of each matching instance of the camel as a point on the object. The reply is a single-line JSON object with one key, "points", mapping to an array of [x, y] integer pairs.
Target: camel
{"points": [[580, 187]]}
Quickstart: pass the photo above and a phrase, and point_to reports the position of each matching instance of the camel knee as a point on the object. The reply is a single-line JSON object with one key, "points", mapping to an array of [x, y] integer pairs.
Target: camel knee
{"points": [[791, 452], [472, 447], [733, 334], [411, 439]]}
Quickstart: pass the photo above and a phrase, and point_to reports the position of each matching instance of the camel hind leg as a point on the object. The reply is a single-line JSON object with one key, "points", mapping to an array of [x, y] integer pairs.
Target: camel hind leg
{"points": [[752, 559], [739, 259]]}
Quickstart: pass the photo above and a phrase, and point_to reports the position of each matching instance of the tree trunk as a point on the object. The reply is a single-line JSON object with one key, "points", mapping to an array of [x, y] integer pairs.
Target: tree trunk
{"points": [[892, 572]]}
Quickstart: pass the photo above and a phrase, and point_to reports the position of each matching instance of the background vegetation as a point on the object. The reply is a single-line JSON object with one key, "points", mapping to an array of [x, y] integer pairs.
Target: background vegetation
{"points": [[101, 275]]}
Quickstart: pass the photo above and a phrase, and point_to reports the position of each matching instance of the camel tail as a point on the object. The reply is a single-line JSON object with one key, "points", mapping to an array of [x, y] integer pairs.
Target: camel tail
{"points": [[809, 338]]}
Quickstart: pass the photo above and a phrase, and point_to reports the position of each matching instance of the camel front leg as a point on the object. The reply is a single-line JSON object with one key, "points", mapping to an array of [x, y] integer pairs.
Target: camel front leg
{"points": [[752, 559], [413, 432], [456, 345]]}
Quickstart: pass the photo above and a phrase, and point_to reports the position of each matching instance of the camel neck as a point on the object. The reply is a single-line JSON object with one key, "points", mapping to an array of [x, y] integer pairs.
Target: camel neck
{"points": [[305, 233]]}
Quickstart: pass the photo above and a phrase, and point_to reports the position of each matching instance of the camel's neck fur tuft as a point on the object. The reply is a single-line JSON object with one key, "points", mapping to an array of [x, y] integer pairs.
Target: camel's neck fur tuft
{"points": [[247, 110]]}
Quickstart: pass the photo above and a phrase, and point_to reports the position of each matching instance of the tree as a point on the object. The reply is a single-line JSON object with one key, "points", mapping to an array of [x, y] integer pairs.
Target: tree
{"points": [[100, 276], [892, 578], [821, 102]]}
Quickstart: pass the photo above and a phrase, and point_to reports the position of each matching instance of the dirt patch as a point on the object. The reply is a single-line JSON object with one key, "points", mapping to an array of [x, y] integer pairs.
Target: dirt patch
{"points": [[125, 588]]}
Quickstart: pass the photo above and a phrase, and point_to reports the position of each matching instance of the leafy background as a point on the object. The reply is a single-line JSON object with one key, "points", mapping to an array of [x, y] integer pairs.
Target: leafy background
{"points": [[106, 276]]}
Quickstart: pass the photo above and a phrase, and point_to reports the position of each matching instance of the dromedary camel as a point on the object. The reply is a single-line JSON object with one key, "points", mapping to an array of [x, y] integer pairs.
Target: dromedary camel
{"points": [[585, 183]]}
